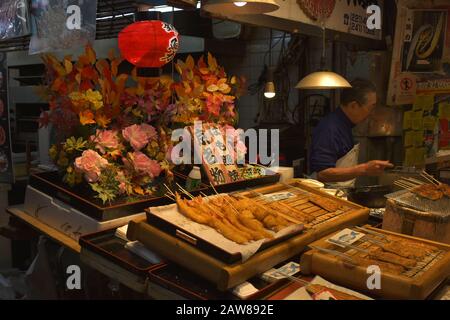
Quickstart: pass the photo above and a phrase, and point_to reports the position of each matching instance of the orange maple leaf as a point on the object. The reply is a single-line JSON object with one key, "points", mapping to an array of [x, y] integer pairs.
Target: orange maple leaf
{"points": [[102, 120], [86, 117]]}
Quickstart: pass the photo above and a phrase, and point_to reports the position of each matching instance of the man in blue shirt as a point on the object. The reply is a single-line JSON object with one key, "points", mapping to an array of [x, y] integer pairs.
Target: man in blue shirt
{"points": [[334, 155]]}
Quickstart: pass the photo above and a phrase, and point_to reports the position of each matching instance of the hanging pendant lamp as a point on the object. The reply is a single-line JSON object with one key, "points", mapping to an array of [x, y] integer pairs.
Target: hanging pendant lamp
{"points": [[231, 7], [323, 79]]}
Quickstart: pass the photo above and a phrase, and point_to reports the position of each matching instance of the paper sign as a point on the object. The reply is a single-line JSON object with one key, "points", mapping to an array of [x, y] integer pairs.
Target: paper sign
{"points": [[419, 155], [407, 120], [346, 236], [409, 138], [409, 157], [417, 121], [423, 102], [418, 138], [429, 123]]}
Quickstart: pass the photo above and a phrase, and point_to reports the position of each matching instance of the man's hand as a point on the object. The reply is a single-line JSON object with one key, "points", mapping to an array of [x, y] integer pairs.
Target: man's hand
{"points": [[376, 167]]}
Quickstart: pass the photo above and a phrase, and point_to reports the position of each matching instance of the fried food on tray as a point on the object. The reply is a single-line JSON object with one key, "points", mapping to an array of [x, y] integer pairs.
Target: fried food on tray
{"points": [[192, 213], [379, 254], [445, 188], [366, 261], [429, 191], [407, 249], [324, 203], [413, 248], [236, 219]]}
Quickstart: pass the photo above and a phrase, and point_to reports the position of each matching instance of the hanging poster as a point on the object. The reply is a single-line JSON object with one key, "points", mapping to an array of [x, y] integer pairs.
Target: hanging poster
{"points": [[421, 53], [6, 169], [14, 19], [423, 43], [61, 25]]}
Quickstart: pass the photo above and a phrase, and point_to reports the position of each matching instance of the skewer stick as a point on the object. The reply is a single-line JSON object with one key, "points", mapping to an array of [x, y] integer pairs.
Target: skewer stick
{"points": [[404, 186], [340, 243], [414, 180], [185, 191], [295, 279], [371, 232], [428, 176], [405, 182], [169, 190], [334, 252]]}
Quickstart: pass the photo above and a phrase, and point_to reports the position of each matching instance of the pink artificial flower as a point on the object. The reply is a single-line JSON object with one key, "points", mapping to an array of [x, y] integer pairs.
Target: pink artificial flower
{"points": [[139, 135], [145, 165], [90, 163], [106, 139], [120, 177]]}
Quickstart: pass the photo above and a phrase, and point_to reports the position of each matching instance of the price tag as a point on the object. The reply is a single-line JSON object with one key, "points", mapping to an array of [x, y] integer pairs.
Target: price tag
{"points": [[346, 236], [279, 196]]}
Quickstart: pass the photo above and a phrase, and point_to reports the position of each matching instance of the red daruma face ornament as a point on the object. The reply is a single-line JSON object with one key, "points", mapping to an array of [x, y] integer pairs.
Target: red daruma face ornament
{"points": [[148, 44]]}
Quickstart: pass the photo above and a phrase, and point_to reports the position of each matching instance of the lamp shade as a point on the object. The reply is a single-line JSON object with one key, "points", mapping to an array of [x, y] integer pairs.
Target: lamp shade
{"points": [[323, 80], [148, 44], [230, 7]]}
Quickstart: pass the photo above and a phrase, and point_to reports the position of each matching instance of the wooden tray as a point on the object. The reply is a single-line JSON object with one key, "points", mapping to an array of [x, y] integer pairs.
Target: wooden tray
{"points": [[412, 284], [81, 199], [225, 276]]}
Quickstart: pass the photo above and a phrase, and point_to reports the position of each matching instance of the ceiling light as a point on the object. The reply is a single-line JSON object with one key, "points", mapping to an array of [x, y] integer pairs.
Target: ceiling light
{"points": [[231, 7]]}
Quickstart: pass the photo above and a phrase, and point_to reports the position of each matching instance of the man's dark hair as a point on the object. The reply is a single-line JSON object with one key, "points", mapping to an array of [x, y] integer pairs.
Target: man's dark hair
{"points": [[358, 92]]}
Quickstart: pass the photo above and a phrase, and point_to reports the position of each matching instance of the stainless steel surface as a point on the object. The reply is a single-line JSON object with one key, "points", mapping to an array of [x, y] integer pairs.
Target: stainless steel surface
{"points": [[439, 208]]}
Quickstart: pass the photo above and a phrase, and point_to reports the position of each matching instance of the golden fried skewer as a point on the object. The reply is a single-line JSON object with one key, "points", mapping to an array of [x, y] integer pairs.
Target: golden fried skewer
{"points": [[296, 221]]}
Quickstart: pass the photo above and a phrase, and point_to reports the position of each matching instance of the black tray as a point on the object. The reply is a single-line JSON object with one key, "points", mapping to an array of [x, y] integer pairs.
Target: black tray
{"points": [[112, 248], [191, 286], [271, 178], [82, 198], [207, 247]]}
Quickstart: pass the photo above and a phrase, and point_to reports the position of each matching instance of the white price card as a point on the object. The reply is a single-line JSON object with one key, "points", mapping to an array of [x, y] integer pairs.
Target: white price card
{"points": [[346, 237]]}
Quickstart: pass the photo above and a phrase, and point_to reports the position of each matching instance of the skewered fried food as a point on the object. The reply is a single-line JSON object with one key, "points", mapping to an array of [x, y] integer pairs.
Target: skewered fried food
{"points": [[366, 261], [232, 217], [406, 249], [418, 248], [260, 213], [227, 222], [271, 223], [324, 203], [429, 191], [248, 220], [192, 213], [379, 254], [445, 188], [228, 232]]}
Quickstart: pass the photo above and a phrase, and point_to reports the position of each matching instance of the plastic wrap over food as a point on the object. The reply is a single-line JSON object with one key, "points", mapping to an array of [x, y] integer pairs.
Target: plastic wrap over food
{"points": [[14, 19], [62, 25]]}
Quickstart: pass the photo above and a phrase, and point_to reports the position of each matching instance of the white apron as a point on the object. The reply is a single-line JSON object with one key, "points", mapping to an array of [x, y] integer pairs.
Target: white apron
{"points": [[348, 160]]}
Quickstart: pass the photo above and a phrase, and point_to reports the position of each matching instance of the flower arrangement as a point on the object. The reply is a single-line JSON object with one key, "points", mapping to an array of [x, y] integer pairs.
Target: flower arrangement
{"points": [[205, 92], [113, 130]]}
